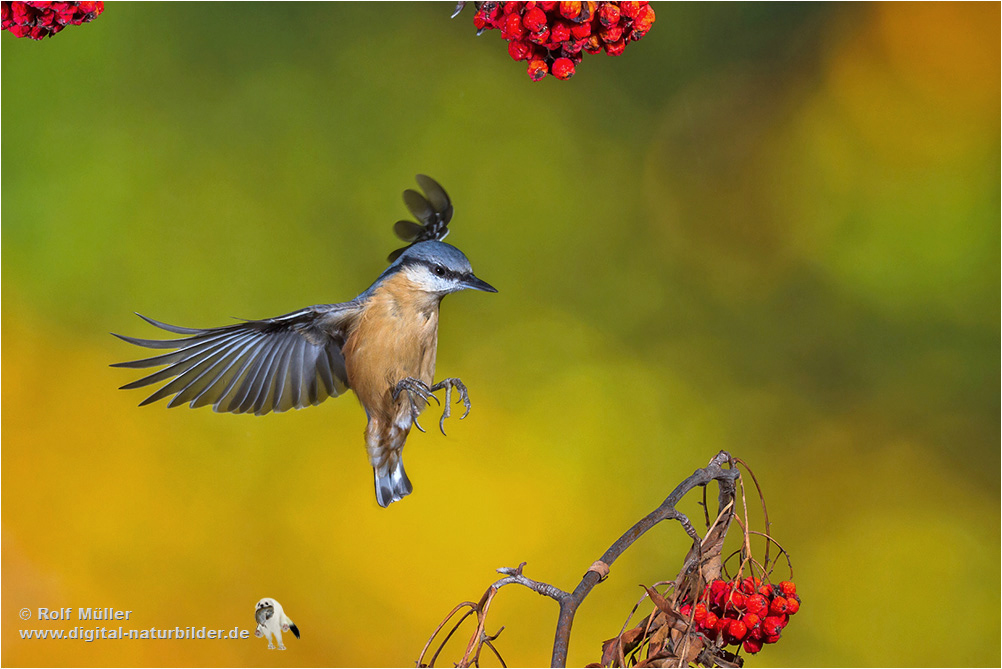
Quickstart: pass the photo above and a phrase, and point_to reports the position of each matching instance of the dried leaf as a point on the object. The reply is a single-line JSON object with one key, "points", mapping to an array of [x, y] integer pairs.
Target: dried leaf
{"points": [[624, 643], [663, 604]]}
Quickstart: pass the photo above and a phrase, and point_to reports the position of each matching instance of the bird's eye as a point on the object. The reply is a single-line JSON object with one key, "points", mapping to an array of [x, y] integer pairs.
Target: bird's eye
{"points": [[439, 270]]}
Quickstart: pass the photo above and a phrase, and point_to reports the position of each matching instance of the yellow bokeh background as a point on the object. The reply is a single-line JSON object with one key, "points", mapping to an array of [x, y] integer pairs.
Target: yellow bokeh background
{"points": [[771, 229]]}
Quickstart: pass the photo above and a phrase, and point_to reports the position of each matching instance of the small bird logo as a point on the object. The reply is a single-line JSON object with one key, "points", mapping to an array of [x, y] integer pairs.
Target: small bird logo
{"points": [[382, 345], [272, 621]]}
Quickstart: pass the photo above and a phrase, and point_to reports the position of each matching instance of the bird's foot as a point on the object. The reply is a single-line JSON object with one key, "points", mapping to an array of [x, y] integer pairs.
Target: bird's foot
{"points": [[464, 397], [414, 387]]}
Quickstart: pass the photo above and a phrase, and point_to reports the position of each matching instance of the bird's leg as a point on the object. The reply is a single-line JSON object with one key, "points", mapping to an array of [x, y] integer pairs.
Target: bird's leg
{"points": [[414, 387], [464, 396]]}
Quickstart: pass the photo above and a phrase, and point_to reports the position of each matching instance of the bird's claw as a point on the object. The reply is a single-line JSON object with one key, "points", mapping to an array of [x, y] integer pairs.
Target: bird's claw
{"points": [[464, 397], [414, 387]]}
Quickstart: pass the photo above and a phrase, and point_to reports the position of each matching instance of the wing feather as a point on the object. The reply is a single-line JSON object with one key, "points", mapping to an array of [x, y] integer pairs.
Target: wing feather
{"points": [[276, 364]]}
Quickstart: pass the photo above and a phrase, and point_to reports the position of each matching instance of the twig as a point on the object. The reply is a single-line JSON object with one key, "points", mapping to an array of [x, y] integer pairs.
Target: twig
{"points": [[570, 601]]}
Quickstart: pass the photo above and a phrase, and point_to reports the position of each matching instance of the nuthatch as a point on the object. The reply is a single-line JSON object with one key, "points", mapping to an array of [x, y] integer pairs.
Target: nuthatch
{"points": [[381, 344]]}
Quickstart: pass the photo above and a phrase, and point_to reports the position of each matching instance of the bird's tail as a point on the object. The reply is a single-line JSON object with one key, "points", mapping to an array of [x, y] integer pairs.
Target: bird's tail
{"points": [[392, 485], [295, 630]]}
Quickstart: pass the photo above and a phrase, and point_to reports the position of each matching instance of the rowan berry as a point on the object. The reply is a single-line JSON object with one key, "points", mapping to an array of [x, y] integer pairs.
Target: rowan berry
{"points": [[757, 604], [735, 601], [534, 19], [611, 34], [537, 69], [778, 606], [752, 646], [788, 588], [38, 20], [772, 626], [561, 29], [608, 14], [736, 631], [570, 10], [644, 20], [519, 50], [615, 48], [751, 620], [792, 605], [560, 32]]}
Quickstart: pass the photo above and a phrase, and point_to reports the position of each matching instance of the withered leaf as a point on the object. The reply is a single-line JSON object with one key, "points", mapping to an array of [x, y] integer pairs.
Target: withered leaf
{"points": [[620, 645]]}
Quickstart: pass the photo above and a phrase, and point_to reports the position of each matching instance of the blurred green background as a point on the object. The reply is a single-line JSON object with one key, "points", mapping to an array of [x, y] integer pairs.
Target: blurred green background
{"points": [[771, 229]]}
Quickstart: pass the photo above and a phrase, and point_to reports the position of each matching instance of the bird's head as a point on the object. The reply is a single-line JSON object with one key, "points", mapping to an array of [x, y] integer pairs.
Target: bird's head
{"points": [[438, 268]]}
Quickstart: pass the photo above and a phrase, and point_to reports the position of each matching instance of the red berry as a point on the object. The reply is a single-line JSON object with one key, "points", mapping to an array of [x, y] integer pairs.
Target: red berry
{"points": [[736, 631], [757, 604], [518, 50], [615, 48], [612, 34], [644, 19], [560, 32], [629, 9], [542, 37], [709, 624], [788, 588], [608, 14], [765, 590], [778, 606], [752, 646], [686, 608], [512, 27], [570, 10], [563, 68], [548, 6], [792, 606], [771, 638], [723, 623], [700, 613], [772, 626], [751, 620], [534, 20], [572, 48], [537, 69], [581, 30]]}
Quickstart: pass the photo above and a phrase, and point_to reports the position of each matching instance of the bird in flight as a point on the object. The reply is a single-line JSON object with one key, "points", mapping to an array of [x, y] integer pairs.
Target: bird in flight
{"points": [[381, 345]]}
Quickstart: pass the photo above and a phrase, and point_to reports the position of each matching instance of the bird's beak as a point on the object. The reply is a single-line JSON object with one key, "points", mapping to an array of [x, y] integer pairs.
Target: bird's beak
{"points": [[478, 284]]}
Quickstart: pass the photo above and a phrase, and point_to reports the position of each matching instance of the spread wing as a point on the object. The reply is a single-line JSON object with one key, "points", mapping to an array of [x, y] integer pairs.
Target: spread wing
{"points": [[276, 364]]}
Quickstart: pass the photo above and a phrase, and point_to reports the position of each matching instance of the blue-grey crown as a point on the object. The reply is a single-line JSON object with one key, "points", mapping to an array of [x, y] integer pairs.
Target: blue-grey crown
{"points": [[434, 252]]}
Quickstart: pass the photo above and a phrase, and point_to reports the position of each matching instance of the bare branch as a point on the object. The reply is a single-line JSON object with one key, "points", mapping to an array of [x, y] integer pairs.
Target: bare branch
{"points": [[703, 559]]}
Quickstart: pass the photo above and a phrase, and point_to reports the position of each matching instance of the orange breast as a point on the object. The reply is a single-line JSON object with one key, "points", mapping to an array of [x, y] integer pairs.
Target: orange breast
{"points": [[395, 338]]}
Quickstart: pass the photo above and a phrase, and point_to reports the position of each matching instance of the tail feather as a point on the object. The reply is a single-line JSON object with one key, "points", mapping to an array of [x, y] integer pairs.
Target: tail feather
{"points": [[392, 485]]}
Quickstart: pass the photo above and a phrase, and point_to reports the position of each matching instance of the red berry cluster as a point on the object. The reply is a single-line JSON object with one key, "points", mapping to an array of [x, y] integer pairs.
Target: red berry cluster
{"points": [[552, 36], [44, 19], [744, 611]]}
